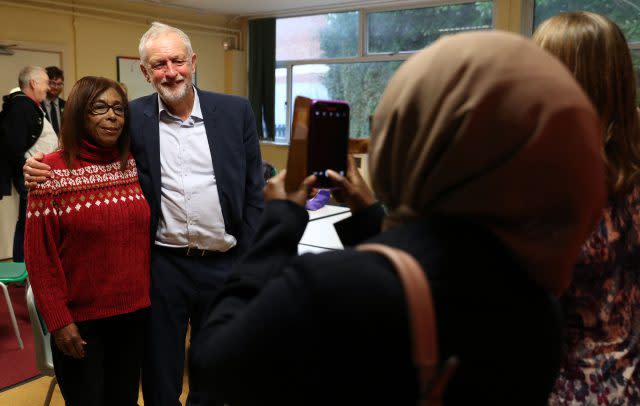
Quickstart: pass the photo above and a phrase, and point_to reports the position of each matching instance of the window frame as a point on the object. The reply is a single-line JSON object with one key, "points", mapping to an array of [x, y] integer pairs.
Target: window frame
{"points": [[363, 44]]}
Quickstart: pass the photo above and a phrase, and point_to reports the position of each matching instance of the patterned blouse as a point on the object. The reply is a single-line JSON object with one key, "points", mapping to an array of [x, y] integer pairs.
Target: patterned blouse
{"points": [[602, 310]]}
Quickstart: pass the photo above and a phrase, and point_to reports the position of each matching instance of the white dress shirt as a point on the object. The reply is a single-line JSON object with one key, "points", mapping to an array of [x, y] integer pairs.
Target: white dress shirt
{"points": [[190, 205], [46, 143], [47, 105]]}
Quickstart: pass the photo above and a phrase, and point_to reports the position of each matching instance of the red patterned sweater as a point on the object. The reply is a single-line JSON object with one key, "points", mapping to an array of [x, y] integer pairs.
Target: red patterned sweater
{"points": [[87, 239]]}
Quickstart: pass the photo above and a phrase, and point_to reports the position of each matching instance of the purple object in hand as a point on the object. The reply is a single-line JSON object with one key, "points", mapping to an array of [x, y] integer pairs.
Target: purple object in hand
{"points": [[319, 200]]}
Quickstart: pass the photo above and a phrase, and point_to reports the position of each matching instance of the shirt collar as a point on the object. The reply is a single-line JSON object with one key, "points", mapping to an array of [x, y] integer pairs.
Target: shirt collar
{"points": [[34, 100], [52, 101], [196, 112]]}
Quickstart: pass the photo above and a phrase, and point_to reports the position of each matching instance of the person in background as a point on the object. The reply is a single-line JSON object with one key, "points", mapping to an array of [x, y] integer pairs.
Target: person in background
{"points": [[268, 170], [25, 133], [54, 104], [87, 250], [601, 362], [6, 171], [485, 151]]}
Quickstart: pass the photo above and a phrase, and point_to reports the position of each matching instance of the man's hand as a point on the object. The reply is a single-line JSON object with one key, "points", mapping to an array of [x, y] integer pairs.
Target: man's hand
{"points": [[68, 341], [274, 189], [35, 171], [352, 189]]}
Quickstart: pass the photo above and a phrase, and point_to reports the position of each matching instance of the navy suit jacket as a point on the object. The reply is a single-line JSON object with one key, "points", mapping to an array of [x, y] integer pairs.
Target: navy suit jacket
{"points": [[235, 152]]}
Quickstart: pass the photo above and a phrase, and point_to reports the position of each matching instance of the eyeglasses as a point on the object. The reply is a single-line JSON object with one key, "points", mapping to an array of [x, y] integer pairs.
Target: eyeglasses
{"points": [[55, 84], [163, 65], [103, 108]]}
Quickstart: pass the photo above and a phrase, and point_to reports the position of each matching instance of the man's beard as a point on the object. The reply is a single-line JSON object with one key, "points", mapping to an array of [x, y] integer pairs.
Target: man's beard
{"points": [[176, 94]]}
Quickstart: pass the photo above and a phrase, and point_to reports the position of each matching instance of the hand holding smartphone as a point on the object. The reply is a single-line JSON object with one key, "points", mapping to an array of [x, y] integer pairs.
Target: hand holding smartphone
{"points": [[319, 141]]}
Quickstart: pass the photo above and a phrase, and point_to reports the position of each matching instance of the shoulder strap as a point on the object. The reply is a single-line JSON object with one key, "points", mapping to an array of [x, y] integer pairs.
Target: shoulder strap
{"points": [[422, 322]]}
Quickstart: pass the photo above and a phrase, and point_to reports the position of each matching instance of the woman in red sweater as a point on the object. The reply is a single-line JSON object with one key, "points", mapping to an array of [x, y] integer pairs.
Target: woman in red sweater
{"points": [[87, 250]]}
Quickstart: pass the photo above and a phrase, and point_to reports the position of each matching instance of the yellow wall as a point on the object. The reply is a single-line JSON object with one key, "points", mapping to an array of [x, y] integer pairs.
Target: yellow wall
{"points": [[91, 39], [235, 72], [276, 155], [20, 24]]}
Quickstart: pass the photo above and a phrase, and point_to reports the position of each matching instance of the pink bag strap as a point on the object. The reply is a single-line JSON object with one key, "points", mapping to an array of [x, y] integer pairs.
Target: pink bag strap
{"points": [[422, 323]]}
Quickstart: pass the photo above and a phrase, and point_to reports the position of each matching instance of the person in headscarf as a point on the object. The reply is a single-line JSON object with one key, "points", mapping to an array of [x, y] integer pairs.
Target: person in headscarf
{"points": [[485, 151], [601, 358]]}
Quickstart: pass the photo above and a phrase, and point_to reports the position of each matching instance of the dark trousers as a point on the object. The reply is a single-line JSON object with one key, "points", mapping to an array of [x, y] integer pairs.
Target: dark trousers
{"points": [[109, 374], [18, 236], [181, 290]]}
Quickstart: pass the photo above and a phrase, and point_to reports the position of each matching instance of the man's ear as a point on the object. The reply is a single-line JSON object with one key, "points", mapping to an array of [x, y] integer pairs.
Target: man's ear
{"points": [[193, 63], [143, 69]]}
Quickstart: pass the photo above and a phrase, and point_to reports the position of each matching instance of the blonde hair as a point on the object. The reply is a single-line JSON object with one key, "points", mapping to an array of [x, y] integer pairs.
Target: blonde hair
{"points": [[595, 50]]}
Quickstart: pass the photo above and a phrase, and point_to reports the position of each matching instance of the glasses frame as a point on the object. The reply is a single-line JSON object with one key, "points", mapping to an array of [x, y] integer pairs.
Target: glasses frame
{"points": [[109, 107]]}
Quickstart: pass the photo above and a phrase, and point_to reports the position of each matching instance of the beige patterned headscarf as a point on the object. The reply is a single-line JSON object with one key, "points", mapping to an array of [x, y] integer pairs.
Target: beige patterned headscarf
{"points": [[489, 127]]}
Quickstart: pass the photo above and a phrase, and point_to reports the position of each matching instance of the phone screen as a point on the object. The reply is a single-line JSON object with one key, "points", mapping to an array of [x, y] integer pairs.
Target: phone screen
{"points": [[328, 139]]}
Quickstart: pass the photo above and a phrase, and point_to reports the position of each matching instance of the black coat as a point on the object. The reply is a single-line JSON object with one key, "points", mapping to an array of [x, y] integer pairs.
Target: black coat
{"points": [[332, 329], [22, 121]]}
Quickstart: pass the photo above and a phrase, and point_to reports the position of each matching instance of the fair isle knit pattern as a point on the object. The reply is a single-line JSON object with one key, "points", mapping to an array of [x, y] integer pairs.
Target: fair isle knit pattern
{"points": [[87, 178], [87, 240]]}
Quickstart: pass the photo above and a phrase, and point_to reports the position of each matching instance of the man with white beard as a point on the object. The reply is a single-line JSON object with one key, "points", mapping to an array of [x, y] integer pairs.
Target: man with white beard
{"points": [[199, 165]]}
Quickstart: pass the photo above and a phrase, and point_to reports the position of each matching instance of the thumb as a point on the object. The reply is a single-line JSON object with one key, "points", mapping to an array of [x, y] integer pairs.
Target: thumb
{"points": [[302, 193], [336, 178], [307, 185]]}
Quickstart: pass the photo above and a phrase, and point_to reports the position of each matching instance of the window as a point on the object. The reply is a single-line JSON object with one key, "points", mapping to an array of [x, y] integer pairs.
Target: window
{"points": [[624, 13], [351, 55], [413, 29]]}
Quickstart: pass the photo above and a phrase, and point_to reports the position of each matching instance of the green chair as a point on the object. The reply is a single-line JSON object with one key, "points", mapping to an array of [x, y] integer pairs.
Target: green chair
{"points": [[12, 272]]}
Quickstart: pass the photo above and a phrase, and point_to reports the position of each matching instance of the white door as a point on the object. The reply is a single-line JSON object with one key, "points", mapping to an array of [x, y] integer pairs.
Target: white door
{"points": [[10, 66]]}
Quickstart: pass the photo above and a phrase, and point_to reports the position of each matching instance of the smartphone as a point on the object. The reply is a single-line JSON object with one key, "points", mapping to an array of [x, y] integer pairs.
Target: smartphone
{"points": [[328, 139], [319, 141]]}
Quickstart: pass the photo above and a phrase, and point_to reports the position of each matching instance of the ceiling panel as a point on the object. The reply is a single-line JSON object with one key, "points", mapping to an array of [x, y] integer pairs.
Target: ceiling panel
{"points": [[252, 8]]}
